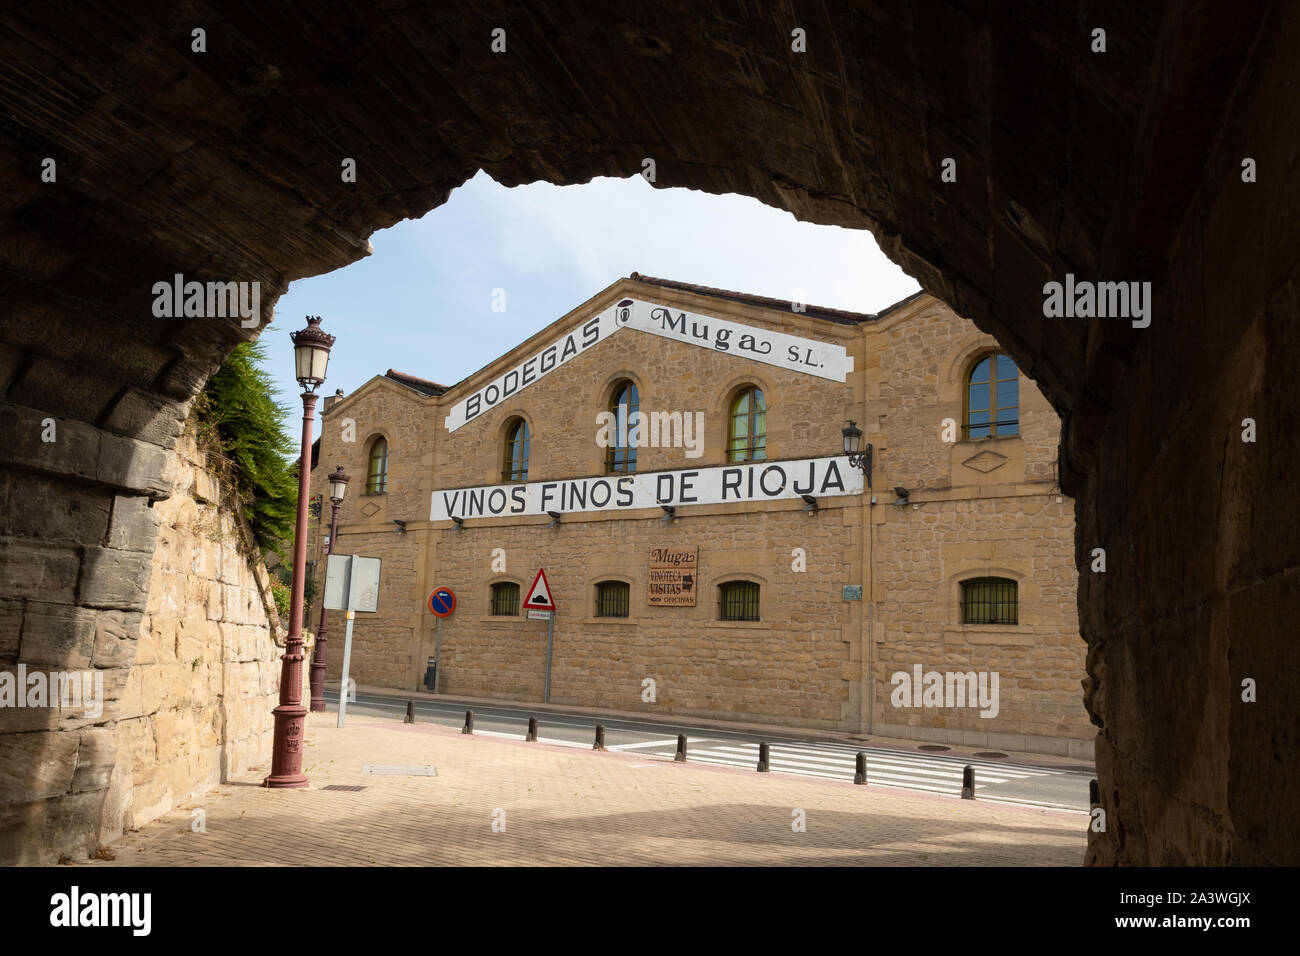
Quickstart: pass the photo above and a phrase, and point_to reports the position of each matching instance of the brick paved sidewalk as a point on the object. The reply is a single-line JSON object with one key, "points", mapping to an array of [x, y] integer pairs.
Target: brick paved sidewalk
{"points": [[567, 806]]}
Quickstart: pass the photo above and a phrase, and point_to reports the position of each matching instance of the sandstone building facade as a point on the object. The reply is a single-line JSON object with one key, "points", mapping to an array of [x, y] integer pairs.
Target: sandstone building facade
{"points": [[738, 566]]}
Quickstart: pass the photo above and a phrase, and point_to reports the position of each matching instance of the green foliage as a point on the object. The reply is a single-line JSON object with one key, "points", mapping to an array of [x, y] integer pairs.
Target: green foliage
{"points": [[237, 413], [282, 596]]}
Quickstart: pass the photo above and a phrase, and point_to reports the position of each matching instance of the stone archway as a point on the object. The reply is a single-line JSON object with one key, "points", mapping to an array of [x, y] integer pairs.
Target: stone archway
{"points": [[1125, 165]]}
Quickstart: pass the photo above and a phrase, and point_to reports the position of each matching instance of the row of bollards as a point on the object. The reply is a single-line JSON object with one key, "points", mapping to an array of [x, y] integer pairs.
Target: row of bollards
{"points": [[764, 756], [531, 735]]}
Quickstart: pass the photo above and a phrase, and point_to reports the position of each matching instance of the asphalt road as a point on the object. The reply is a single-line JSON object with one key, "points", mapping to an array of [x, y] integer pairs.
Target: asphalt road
{"points": [[995, 779]]}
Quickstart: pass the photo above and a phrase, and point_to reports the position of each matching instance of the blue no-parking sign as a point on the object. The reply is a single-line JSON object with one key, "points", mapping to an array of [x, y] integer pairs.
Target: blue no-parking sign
{"points": [[442, 602]]}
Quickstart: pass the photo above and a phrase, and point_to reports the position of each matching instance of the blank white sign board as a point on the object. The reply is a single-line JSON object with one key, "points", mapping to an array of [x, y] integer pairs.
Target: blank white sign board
{"points": [[352, 583]]}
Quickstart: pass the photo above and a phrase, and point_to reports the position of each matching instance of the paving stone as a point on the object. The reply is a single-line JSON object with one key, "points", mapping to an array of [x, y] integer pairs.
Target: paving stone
{"points": [[569, 807]]}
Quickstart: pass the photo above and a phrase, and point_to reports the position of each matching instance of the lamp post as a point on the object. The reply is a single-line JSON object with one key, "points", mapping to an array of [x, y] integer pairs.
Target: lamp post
{"points": [[858, 457], [338, 486], [311, 352]]}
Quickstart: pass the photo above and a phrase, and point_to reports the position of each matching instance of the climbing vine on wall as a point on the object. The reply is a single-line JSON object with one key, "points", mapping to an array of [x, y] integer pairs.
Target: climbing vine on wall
{"points": [[237, 416]]}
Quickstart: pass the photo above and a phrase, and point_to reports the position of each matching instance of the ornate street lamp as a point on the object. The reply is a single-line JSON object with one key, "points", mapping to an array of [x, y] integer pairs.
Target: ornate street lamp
{"points": [[858, 457], [311, 351], [338, 486]]}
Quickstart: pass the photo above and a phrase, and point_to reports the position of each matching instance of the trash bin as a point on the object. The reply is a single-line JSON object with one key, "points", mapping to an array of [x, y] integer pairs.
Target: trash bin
{"points": [[431, 674]]}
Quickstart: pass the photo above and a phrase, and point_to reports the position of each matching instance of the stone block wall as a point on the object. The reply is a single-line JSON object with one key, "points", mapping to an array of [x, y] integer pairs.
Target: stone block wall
{"points": [[197, 703], [788, 667], [188, 684]]}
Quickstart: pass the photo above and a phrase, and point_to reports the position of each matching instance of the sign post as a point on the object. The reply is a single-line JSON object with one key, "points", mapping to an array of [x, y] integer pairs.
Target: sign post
{"points": [[550, 641], [540, 603], [351, 585], [442, 601], [347, 662]]}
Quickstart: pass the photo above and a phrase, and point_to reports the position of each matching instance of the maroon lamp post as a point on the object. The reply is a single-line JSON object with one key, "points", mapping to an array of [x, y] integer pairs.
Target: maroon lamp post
{"points": [[338, 485], [311, 352]]}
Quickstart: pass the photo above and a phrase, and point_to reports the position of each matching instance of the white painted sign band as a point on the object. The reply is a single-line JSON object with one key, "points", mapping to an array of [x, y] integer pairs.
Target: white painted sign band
{"points": [[750, 481], [809, 356], [793, 352], [593, 331]]}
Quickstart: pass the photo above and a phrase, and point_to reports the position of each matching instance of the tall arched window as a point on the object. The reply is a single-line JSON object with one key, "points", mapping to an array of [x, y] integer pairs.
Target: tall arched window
{"points": [[626, 408], [747, 431], [992, 398], [377, 470], [515, 463]]}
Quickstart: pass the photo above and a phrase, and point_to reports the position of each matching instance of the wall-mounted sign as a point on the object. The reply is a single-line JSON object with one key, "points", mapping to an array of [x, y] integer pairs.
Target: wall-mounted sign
{"points": [[757, 481], [793, 352], [594, 330], [853, 592], [673, 577]]}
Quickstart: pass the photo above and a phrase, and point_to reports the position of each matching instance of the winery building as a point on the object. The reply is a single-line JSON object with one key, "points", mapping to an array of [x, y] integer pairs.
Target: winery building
{"points": [[673, 457]]}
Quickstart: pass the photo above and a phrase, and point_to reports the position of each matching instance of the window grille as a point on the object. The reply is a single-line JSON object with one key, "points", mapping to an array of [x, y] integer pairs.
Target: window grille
{"points": [[613, 599], [990, 601], [505, 599], [738, 601]]}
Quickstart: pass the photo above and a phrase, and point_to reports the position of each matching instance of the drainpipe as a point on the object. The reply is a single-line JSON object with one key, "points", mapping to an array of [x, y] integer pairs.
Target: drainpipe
{"points": [[869, 566]]}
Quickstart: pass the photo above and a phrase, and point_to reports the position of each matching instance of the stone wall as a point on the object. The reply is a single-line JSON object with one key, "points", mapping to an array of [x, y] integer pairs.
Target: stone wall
{"points": [[986, 507], [190, 684], [786, 668]]}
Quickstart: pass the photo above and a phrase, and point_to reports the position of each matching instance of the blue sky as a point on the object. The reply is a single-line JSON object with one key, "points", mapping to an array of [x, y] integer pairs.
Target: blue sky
{"points": [[422, 302]]}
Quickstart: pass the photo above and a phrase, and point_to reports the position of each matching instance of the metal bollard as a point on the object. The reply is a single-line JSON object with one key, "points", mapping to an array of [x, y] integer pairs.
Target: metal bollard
{"points": [[532, 730], [762, 759], [600, 738], [1094, 793], [860, 769], [410, 712], [968, 783], [469, 723], [681, 749]]}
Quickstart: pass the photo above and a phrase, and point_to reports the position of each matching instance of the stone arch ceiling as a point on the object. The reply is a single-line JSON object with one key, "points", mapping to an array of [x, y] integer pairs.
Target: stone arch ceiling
{"points": [[1123, 165]]}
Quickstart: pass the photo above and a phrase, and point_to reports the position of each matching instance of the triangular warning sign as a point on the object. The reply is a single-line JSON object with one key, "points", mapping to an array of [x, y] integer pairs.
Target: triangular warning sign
{"points": [[539, 595]]}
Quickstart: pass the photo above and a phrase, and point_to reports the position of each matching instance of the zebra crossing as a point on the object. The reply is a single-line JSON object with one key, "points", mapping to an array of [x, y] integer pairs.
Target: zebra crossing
{"points": [[894, 768]]}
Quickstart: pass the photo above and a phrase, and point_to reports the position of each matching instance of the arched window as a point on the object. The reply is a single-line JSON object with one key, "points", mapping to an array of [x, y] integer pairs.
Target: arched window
{"points": [[613, 599], [738, 601], [377, 470], [505, 599], [515, 467], [747, 431], [990, 601], [626, 408], [993, 398]]}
